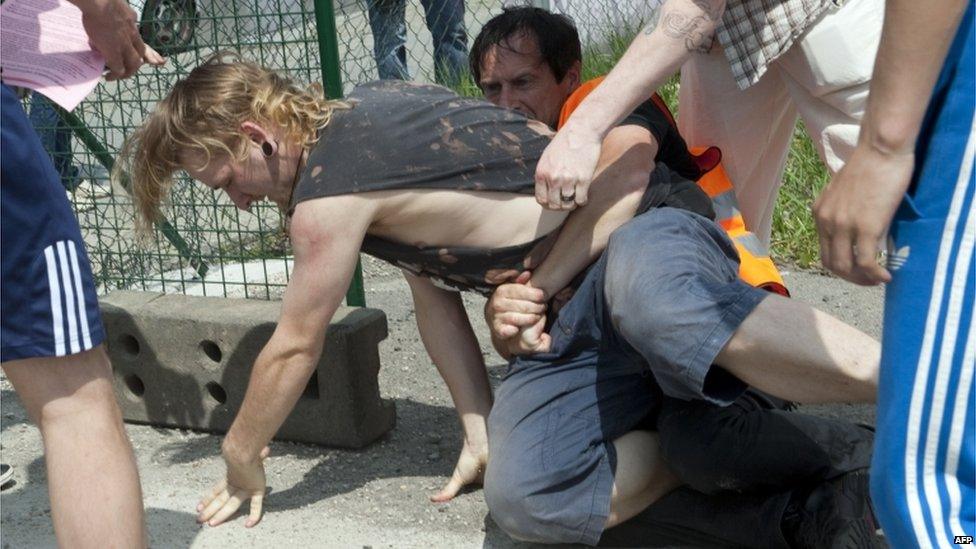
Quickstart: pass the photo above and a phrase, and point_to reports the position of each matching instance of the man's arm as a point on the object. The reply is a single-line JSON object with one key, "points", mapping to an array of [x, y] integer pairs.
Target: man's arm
{"points": [[626, 162], [454, 349], [854, 211], [568, 163], [326, 240]]}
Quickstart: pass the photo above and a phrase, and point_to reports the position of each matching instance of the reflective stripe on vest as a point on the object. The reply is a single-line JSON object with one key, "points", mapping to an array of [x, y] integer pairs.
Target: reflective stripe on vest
{"points": [[755, 266], [751, 243], [725, 205]]}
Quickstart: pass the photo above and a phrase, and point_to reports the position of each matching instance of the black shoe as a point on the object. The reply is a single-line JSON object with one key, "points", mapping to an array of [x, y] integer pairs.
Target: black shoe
{"points": [[835, 514]]}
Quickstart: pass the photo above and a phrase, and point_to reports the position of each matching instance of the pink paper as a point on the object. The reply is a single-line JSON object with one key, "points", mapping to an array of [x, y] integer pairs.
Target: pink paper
{"points": [[43, 46]]}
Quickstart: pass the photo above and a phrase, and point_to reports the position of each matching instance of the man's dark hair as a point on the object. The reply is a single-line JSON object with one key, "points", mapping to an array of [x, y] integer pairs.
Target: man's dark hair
{"points": [[559, 43]]}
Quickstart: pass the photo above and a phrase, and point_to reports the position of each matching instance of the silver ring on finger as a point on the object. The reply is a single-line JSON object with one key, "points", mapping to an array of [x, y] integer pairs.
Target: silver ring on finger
{"points": [[882, 257], [571, 197]]}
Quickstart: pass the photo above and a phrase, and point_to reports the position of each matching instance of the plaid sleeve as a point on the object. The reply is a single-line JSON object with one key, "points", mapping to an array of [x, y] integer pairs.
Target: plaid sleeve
{"points": [[754, 33]]}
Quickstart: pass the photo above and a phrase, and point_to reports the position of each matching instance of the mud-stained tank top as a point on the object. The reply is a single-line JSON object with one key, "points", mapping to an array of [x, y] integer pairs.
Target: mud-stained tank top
{"points": [[404, 135]]}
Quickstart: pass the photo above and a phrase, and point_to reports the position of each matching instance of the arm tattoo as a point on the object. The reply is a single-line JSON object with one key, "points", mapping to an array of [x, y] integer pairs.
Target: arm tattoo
{"points": [[681, 26]]}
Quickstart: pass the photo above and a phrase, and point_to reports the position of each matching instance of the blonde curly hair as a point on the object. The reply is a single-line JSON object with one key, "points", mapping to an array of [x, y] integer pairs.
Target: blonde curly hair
{"points": [[202, 114]]}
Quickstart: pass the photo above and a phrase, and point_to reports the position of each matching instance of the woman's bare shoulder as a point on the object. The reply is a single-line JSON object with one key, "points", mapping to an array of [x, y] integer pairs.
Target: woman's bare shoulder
{"points": [[329, 215]]}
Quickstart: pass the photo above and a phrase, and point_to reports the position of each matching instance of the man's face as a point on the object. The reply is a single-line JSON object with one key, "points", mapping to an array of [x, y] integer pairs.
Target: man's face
{"points": [[514, 76]]}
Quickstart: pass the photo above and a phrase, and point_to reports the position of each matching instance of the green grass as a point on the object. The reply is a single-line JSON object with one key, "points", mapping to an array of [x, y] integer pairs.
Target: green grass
{"points": [[467, 87], [794, 237]]}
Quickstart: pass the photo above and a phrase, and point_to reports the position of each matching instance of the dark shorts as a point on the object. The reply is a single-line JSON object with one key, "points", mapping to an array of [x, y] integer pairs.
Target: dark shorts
{"points": [[649, 318], [48, 305]]}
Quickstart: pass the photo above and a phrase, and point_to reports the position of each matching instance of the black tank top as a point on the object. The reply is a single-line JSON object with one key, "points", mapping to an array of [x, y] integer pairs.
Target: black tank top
{"points": [[404, 135]]}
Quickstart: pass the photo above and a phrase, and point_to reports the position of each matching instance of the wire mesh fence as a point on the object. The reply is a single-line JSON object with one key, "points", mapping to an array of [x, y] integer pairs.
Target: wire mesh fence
{"points": [[207, 246]]}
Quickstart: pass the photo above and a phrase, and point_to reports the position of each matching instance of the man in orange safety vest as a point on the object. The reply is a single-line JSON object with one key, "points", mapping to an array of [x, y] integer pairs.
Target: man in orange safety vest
{"points": [[743, 461]]}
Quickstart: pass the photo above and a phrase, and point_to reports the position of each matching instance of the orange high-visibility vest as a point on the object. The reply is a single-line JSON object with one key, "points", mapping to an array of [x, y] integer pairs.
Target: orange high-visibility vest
{"points": [[755, 266]]}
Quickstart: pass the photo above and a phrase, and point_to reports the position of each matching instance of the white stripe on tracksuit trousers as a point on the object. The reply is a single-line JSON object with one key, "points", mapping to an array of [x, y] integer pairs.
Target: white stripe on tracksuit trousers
{"points": [[926, 438], [63, 275]]}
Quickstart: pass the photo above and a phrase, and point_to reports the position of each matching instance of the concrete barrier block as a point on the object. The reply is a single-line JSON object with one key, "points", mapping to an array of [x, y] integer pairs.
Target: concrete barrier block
{"points": [[184, 362]]}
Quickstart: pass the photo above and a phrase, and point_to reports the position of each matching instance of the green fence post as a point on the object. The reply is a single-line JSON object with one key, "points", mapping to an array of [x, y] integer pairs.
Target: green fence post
{"points": [[328, 48], [332, 78]]}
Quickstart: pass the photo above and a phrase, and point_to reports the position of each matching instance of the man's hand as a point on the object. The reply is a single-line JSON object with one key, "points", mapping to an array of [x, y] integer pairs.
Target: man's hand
{"points": [[245, 480], [516, 316], [854, 211], [564, 173], [113, 31], [470, 469], [531, 340], [514, 306]]}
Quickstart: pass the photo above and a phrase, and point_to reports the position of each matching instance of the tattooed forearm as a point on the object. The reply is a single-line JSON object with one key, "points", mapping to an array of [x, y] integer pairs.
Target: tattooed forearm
{"points": [[695, 29], [680, 27]]}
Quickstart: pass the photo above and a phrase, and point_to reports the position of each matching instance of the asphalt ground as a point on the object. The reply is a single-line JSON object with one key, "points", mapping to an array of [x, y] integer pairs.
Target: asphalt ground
{"points": [[322, 497]]}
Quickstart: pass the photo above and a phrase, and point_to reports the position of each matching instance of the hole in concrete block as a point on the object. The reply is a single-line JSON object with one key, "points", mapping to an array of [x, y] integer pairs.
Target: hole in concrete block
{"points": [[129, 344], [211, 349], [217, 392], [135, 385], [312, 389]]}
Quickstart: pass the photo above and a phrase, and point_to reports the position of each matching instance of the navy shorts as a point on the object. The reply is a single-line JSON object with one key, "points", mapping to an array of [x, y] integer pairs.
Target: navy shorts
{"points": [[48, 305], [649, 318]]}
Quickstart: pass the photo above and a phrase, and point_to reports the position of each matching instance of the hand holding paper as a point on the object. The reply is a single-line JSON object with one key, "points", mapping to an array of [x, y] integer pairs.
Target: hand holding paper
{"points": [[113, 31], [45, 46]]}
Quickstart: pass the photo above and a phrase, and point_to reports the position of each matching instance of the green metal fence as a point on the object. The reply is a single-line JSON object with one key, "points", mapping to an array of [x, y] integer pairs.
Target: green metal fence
{"points": [[207, 246]]}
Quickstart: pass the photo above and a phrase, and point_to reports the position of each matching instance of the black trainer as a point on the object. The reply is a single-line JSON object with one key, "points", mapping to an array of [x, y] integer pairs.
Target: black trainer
{"points": [[835, 514]]}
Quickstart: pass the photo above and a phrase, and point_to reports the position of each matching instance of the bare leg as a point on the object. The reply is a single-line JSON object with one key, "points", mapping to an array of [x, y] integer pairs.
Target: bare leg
{"points": [[641, 477], [96, 500], [796, 352], [676, 298]]}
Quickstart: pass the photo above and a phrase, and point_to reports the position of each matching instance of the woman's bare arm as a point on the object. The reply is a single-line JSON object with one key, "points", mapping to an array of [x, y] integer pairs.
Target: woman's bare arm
{"points": [[454, 350], [326, 237]]}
